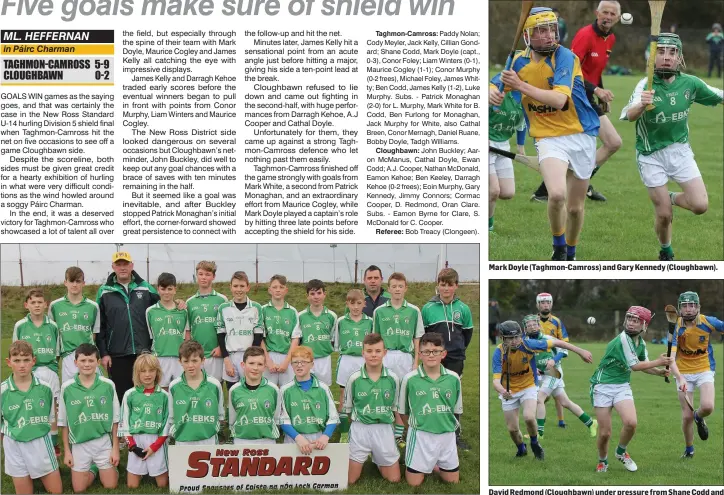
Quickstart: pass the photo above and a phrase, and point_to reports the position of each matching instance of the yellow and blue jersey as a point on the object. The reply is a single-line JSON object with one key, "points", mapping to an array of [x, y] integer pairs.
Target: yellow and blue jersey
{"points": [[694, 353], [554, 327], [560, 72], [520, 362]]}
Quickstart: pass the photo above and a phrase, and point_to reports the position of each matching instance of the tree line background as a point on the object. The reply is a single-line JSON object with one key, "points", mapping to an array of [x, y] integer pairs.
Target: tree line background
{"points": [[574, 301], [693, 19]]}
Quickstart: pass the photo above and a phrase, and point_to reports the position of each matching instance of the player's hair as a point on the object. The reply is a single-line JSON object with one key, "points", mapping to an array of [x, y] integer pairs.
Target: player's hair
{"points": [[20, 348], [372, 268], [303, 351], [355, 295], [372, 339], [87, 350], [166, 280], [397, 276], [448, 276], [189, 349], [146, 361], [240, 276], [208, 266], [279, 278], [252, 351], [618, 5], [315, 284], [74, 274], [432, 338], [35, 292]]}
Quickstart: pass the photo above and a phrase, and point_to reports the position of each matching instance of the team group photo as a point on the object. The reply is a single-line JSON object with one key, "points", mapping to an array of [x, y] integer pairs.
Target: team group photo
{"points": [[569, 402], [605, 131], [112, 363]]}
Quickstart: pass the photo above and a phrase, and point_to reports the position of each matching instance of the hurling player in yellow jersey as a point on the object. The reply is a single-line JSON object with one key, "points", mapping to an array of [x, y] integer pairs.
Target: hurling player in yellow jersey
{"points": [[695, 359], [553, 326], [515, 378], [561, 120]]}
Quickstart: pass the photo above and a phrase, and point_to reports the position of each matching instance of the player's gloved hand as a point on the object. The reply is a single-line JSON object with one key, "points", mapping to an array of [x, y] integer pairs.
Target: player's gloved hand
{"points": [[495, 96], [138, 451], [647, 97]]}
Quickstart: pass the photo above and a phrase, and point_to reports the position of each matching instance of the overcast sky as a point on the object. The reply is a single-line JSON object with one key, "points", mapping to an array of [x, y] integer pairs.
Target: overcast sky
{"points": [[46, 263]]}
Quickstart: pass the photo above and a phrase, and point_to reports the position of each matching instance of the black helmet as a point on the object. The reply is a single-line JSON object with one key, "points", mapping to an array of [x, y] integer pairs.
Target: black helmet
{"points": [[510, 329]]}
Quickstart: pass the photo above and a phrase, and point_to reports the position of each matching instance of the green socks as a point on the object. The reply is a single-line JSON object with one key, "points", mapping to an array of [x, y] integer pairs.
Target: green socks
{"points": [[54, 438], [620, 450], [490, 223], [541, 425], [585, 419], [344, 423], [399, 430]]}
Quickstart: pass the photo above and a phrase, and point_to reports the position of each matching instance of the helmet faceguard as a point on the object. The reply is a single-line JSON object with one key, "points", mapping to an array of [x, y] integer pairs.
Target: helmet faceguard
{"points": [[540, 31], [531, 326], [637, 320], [671, 51], [511, 333], [544, 303], [689, 305]]}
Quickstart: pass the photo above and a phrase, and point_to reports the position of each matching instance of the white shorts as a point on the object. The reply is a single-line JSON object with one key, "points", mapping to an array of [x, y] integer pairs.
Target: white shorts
{"points": [[51, 378], [170, 370], [155, 465], [209, 441], [579, 150], [401, 363], [282, 378], [550, 385], [696, 380], [214, 366], [346, 365], [375, 439], [609, 394], [425, 450], [500, 165], [35, 458], [311, 437], [323, 369], [675, 162], [258, 441], [236, 359], [96, 451], [530, 393]]}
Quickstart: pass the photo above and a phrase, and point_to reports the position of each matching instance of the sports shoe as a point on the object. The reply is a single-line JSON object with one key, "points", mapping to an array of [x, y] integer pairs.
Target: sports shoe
{"points": [[701, 427], [559, 254], [538, 451], [462, 444], [628, 463], [687, 455], [401, 444], [594, 195], [664, 256], [523, 453], [541, 198], [563, 425], [602, 467], [593, 429]]}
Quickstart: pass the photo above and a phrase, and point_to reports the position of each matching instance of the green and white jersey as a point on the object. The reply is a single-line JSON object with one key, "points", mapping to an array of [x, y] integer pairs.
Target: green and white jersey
{"points": [[399, 326], [318, 331], [196, 412], [143, 413], [621, 353], [310, 411], [239, 326], [167, 328], [202, 312], [542, 358], [254, 414], [503, 124], [280, 327], [349, 334], [44, 339], [88, 413], [76, 322], [25, 416], [668, 122], [372, 402], [431, 404]]}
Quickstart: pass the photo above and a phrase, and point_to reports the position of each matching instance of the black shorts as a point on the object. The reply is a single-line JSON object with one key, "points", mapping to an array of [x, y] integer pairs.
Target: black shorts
{"points": [[455, 365], [598, 108]]}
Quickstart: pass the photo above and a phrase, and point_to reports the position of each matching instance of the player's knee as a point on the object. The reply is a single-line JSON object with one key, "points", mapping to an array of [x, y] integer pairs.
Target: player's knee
{"points": [[494, 193], [134, 483], [630, 423], [664, 217], [392, 478], [556, 196], [699, 207], [613, 143], [705, 409], [575, 210], [110, 484], [162, 482], [506, 194]]}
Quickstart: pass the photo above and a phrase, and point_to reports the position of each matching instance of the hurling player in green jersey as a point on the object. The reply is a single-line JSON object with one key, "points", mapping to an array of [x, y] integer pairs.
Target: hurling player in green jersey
{"points": [[317, 325], [26, 413], [77, 319], [281, 332], [663, 151]]}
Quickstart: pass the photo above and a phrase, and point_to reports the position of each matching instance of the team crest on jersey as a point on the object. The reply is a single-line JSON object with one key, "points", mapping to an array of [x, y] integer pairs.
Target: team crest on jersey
{"points": [[387, 394], [48, 337], [702, 339], [457, 315], [448, 394], [207, 403], [216, 307], [525, 360], [267, 404], [85, 315], [286, 322], [103, 400], [139, 295], [159, 411], [318, 406], [41, 402], [687, 94]]}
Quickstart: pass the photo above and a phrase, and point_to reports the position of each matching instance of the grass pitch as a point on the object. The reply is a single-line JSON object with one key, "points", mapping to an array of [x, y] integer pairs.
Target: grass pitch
{"points": [[622, 227], [371, 481], [571, 455]]}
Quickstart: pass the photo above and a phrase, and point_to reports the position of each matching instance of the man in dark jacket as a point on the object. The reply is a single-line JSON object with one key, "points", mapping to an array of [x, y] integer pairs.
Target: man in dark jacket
{"points": [[123, 335], [375, 294]]}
